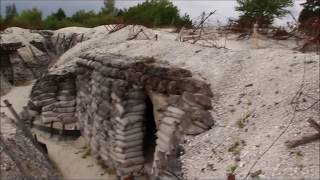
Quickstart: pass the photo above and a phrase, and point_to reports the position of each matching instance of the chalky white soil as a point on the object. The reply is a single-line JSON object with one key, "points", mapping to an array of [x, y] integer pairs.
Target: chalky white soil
{"points": [[253, 87]]}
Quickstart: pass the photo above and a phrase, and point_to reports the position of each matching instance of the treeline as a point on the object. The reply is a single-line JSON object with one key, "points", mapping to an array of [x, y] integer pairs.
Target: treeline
{"points": [[153, 13]]}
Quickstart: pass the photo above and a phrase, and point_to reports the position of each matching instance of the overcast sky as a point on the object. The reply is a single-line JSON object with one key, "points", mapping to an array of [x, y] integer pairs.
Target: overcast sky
{"points": [[225, 8]]}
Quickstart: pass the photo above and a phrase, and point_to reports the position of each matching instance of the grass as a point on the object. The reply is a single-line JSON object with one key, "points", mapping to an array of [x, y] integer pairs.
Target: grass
{"points": [[232, 168]]}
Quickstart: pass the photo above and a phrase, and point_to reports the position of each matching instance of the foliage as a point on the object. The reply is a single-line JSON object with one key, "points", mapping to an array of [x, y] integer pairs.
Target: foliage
{"points": [[28, 19], [81, 16], [262, 11], [11, 12], [310, 16], [311, 9], [154, 13], [109, 8], [60, 14], [184, 21]]}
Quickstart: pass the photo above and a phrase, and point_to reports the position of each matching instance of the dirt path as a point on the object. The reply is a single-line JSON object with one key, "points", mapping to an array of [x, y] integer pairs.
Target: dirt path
{"points": [[73, 160], [18, 97], [69, 156]]}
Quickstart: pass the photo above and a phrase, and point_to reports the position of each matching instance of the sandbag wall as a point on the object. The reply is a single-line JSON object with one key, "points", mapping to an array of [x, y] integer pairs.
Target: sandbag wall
{"points": [[111, 106], [23, 63], [53, 97]]}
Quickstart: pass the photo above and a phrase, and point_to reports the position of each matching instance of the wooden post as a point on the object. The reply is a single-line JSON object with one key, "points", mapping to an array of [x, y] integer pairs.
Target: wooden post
{"points": [[303, 140], [27, 66], [25, 110], [13, 112], [82, 37], [55, 44], [70, 44], [62, 132], [18, 121], [51, 128]]}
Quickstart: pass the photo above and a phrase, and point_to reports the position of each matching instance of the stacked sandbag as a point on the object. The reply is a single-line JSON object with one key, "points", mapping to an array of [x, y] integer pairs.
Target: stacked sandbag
{"points": [[111, 107], [97, 118], [83, 103], [43, 97], [64, 107], [127, 131], [54, 98]]}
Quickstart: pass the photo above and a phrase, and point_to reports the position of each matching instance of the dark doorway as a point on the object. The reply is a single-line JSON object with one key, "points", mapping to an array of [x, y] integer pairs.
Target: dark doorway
{"points": [[149, 141]]}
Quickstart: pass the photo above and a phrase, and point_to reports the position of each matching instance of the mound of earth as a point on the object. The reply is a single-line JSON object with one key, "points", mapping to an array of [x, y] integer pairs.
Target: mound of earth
{"points": [[262, 96], [253, 91]]}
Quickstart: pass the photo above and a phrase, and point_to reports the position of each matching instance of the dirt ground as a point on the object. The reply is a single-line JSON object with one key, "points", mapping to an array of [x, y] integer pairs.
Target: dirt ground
{"points": [[254, 82], [69, 156]]}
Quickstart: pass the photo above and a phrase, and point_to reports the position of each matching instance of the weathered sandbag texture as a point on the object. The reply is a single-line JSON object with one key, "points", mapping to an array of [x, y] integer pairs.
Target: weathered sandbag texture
{"points": [[107, 96]]}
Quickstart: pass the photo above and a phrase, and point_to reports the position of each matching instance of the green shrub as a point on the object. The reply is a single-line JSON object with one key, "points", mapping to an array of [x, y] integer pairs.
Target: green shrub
{"points": [[55, 20], [81, 16], [261, 11], [154, 13], [60, 14], [11, 12], [28, 19], [54, 23], [101, 20], [109, 8]]}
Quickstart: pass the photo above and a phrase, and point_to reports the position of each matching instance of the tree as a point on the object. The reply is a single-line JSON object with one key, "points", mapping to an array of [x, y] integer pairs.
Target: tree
{"points": [[60, 14], [11, 12], [153, 13], [28, 19], [311, 9], [81, 16], [184, 21], [109, 8], [2, 25], [262, 11]]}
